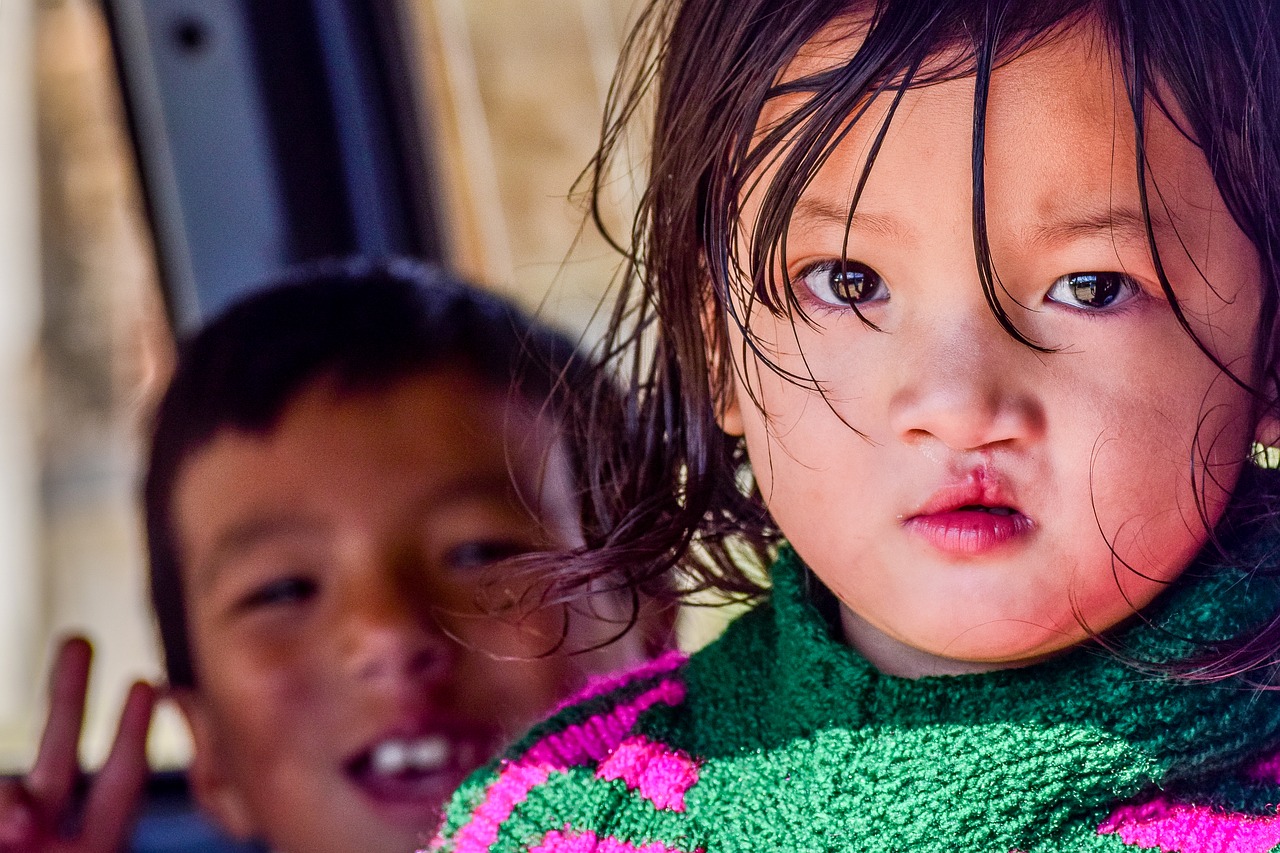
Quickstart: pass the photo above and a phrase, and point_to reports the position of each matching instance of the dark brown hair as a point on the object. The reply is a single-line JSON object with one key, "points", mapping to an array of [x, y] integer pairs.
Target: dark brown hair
{"points": [[669, 493]]}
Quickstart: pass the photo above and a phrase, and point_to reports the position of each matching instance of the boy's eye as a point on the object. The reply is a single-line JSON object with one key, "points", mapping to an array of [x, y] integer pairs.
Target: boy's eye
{"points": [[290, 590], [1093, 290], [483, 552], [844, 283]]}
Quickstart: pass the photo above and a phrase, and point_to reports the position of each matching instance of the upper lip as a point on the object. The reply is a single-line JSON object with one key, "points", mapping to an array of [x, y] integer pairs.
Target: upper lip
{"points": [[978, 487]]}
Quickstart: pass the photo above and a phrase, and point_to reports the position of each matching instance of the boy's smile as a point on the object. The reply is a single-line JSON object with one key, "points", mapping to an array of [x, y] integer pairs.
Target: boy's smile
{"points": [[345, 675], [1001, 503]]}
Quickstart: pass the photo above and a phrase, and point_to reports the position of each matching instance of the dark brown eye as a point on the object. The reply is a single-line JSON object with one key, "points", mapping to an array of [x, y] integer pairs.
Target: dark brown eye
{"points": [[483, 552], [283, 591], [1093, 290], [843, 284]]}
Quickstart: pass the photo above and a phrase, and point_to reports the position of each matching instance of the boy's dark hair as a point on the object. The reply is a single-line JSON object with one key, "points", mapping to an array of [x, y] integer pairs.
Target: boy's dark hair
{"points": [[362, 326], [667, 489]]}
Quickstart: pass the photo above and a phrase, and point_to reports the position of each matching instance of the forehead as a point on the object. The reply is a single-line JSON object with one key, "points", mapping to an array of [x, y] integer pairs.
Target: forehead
{"points": [[417, 441], [1058, 143]]}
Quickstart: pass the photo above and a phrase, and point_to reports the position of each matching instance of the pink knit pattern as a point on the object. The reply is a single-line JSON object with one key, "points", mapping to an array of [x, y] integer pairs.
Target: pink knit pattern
{"points": [[581, 744], [659, 773], [600, 685], [588, 842], [1181, 828]]}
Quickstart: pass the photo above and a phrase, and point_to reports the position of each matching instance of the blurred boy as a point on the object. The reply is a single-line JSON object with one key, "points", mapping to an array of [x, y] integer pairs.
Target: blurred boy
{"points": [[334, 467]]}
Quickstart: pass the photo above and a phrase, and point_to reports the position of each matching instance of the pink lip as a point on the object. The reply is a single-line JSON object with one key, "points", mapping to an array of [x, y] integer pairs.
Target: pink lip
{"points": [[970, 518]]}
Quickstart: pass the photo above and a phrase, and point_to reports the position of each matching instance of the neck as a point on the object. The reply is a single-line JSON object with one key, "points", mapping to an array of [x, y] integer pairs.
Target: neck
{"points": [[891, 656]]}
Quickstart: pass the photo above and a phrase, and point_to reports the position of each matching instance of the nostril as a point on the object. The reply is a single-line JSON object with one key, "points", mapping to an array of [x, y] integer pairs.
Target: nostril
{"points": [[398, 653], [434, 661]]}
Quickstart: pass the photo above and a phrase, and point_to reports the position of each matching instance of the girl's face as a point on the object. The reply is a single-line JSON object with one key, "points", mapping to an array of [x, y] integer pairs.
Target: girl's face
{"points": [[1001, 503]]}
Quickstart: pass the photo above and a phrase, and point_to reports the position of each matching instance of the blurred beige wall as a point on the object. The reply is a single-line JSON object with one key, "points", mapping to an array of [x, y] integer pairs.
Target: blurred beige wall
{"points": [[99, 348], [517, 89]]}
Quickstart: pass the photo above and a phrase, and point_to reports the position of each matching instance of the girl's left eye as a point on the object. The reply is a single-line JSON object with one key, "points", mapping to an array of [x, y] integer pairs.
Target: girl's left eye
{"points": [[844, 283], [1093, 291]]}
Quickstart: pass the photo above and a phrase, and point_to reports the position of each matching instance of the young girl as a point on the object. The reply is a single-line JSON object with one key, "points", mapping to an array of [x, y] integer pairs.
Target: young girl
{"points": [[986, 293]]}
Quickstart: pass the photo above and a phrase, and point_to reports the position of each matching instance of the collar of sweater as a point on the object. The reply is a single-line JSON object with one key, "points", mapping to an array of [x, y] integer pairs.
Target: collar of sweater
{"points": [[1084, 727]]}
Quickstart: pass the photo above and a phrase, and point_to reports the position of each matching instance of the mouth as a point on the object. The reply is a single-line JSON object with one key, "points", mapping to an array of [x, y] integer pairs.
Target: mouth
{"points": [[993, 510], [416, 774], [968, 519]]}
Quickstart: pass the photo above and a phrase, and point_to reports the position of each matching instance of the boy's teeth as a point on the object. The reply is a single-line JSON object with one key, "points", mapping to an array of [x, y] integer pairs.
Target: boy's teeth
{"points": [[390, 757], [393, 757], [428, 754]]}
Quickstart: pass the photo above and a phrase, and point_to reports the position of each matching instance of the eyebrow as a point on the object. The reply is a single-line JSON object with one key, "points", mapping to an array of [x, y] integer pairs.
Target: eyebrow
{"points": [[247, 535], [1121, 224], [822, 211]]}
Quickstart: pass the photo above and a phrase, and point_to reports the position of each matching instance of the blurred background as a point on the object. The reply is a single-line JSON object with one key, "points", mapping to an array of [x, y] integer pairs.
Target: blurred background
{"points": [[506, 96]]}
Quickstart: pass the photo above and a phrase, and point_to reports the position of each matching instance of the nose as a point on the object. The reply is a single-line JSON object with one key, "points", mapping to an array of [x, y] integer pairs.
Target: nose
{"points": [[962, 382], [388, 636]]}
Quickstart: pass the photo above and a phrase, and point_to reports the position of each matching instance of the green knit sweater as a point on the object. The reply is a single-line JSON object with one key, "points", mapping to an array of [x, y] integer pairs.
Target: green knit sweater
{"points": [[778, 737]]}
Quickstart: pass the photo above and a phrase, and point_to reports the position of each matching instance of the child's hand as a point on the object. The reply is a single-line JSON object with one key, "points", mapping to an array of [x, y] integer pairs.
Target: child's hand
{"points": [[35, 811]]}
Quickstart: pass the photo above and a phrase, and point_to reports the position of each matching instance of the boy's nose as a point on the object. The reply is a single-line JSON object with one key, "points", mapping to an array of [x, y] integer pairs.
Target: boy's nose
{"points": [[388, 637], [961, 384]]}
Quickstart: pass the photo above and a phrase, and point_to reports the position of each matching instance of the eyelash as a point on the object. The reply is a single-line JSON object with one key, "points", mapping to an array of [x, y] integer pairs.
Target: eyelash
{"points": [[1131, 291], [282, 592], [847, 266], [479, 554]]}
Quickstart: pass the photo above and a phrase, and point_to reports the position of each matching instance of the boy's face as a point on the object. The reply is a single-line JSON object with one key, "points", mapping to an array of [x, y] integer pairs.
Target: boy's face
{"points": [[997, 496], [346, 679]]}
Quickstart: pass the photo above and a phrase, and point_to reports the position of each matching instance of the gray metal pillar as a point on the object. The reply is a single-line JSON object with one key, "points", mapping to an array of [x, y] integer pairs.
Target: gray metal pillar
{"points": [[271, 132]]}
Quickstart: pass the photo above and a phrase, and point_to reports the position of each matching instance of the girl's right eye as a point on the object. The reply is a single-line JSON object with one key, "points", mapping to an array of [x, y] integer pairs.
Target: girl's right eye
{"points": [[283, 591], [844, 283]]}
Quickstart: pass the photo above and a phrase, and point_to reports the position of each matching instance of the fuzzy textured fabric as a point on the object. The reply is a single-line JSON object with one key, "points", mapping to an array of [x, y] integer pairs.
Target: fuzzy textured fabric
{"points": [[778, 737]]}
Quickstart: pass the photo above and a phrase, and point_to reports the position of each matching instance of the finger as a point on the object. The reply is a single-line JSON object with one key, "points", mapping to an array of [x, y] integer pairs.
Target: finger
{"points": [[58, 761], [116, 791], [19, 823]]}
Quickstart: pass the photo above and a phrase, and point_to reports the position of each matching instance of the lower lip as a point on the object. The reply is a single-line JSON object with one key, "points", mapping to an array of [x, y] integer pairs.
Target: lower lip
{"points": [[968, 533], [410, 803]]}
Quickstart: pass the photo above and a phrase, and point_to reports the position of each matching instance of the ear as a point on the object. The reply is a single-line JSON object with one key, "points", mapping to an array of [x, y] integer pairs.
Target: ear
{"points": [[212, 783], [1266, 431], [728, 410]]}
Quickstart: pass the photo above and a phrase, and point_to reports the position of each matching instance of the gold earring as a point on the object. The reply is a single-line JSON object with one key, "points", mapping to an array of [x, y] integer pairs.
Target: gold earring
{"points": [[1265, 456]]}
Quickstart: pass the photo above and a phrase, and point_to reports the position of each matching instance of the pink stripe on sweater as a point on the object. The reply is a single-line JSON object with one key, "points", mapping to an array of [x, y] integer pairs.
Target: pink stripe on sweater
{"points": [[580, 744], [1181, 828], [667, 662], [588, 842], [661, 774]]}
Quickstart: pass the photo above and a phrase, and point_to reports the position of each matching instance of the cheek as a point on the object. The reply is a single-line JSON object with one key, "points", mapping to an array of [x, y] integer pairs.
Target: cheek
{"points": [[803, 443], [1153, 473], [516, 688], [259, 679]]}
